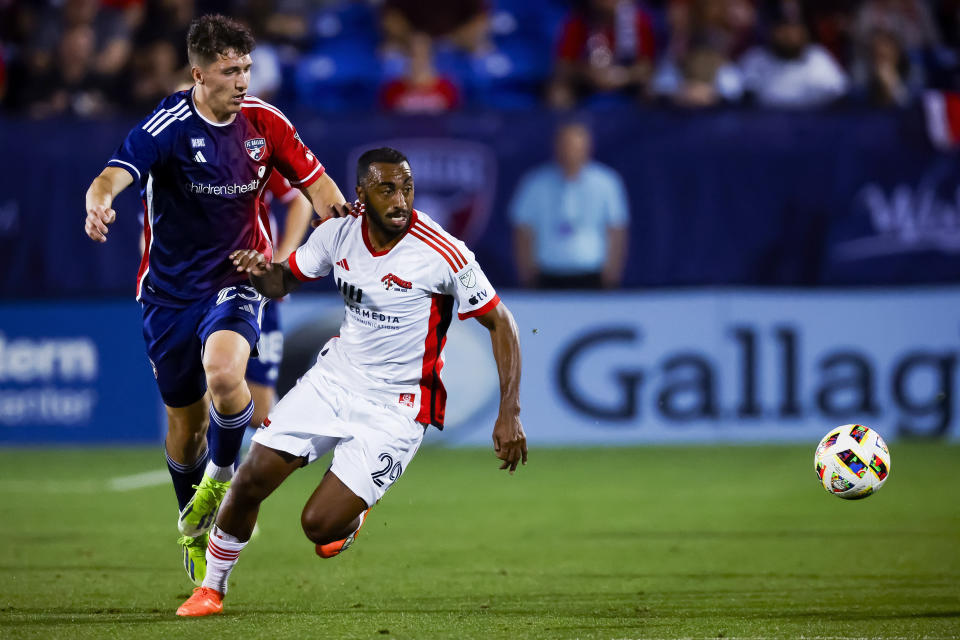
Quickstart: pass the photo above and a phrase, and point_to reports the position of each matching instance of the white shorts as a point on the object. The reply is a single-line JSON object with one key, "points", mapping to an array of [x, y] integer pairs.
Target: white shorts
{"points": [[373, 443]]}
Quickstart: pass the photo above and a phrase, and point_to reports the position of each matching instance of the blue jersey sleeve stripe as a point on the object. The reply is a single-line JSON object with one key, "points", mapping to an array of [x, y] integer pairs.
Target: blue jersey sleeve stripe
{"points": [[159, 114], [171, 121], [164, 122], [126, 165], [168, 117]]}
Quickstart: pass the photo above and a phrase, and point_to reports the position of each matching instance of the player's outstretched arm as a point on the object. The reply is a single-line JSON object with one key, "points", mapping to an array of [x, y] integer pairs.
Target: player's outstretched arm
{"points": [[299, 212], [100, 195], [326, 198], [272, 279], [509, 440]]}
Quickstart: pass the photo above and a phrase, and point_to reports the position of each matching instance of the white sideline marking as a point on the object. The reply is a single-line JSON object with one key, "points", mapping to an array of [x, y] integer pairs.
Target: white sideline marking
{"points": [[139, 480], [120, 483]]}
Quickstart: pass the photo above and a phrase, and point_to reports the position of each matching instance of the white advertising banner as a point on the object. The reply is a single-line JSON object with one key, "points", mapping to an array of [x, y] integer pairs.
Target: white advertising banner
{"points": [[611, 368]]}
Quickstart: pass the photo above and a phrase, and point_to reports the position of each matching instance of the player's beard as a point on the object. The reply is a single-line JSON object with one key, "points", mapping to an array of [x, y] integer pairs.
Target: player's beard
{"points": [[377, 219]]}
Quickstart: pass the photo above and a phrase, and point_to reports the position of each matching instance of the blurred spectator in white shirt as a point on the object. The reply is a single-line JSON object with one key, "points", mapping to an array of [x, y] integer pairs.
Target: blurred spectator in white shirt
{"points": [[791, 72], [570, 219]]}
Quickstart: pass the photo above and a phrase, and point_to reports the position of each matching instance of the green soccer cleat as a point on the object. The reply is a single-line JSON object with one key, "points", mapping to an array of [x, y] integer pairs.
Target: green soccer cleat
{"points": [[198, 516], [194, 557]]}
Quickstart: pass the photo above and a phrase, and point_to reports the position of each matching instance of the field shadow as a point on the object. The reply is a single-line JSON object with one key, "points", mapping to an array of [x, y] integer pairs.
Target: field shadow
{"points": [[40, 616]]}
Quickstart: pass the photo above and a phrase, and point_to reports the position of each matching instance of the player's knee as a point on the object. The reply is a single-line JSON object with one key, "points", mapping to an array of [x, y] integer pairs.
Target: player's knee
{"points": [[223, 381]]}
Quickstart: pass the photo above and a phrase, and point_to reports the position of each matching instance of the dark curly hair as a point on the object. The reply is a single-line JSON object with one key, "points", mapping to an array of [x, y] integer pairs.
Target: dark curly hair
{"points": [[213, 35], [383, 154]]}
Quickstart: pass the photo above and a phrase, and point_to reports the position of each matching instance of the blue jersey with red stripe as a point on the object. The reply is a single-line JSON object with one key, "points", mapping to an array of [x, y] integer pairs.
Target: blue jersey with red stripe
{"points": [[201, 184]]}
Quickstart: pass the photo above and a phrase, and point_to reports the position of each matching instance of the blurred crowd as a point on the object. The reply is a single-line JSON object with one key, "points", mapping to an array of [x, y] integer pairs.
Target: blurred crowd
{"points": [[91, 58]]}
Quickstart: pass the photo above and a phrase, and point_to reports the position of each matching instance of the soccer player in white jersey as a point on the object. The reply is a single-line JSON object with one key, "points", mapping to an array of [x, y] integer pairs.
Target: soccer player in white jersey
{"points": [[376, 387]]}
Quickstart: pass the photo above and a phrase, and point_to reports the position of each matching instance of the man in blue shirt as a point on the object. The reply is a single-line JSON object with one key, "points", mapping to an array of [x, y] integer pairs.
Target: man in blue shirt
{"points": [[570, 219], [202, 160]]}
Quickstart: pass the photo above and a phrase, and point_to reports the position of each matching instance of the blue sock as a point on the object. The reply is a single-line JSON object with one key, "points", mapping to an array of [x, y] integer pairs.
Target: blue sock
{"points": [[226, 434], [184, 476]]}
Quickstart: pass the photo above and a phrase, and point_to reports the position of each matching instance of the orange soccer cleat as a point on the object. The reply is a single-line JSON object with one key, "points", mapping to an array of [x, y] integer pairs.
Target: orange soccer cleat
{"points": [[204, 602], [334, 548]]}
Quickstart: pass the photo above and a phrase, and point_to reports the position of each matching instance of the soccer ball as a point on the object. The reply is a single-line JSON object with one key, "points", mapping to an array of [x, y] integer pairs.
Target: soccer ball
{"points": [[852, 461]]}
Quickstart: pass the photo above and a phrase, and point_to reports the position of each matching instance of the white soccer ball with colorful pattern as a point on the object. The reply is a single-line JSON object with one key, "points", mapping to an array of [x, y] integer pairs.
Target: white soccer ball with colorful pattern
{"points": [[852, 461]]}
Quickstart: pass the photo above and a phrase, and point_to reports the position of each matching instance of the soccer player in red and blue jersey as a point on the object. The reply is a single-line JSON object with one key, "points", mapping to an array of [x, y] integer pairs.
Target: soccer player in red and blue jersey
{"points": [[201, 161]]}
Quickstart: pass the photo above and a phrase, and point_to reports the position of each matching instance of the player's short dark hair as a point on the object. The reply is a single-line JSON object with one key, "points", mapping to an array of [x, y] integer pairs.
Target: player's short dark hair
{"points": [[213, 35], [383, 154]]}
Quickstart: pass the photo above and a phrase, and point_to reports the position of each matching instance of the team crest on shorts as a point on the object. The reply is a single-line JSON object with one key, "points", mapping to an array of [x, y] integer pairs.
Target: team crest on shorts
{"points": [[255, 147], [407, 399]]}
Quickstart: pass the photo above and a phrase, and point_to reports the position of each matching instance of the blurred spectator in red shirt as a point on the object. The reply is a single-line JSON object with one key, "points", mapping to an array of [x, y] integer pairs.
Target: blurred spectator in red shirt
{"points": [[465, 24], [725, 26], [421, 89], [606, 47], [831, 25]]}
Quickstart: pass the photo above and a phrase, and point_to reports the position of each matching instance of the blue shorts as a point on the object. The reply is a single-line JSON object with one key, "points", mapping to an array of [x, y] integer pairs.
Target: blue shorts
{"points": [[175, 338], [264, 368]]}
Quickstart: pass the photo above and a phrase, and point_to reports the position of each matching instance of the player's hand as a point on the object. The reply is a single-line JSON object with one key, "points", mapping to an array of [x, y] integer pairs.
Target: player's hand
{"points": [[250, 261], [335, 211], [510, 442], [98, 219]]}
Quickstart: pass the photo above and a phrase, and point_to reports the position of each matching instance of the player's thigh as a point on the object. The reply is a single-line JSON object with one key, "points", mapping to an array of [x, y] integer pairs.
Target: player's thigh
{"points": [[225, 355], [174, 350], [263, 470], [306, 421], [230, 328], [382, 445]]}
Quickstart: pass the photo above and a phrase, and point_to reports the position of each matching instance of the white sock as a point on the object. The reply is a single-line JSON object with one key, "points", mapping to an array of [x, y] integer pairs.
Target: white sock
{"points": [[223, 551], [220, 474]]}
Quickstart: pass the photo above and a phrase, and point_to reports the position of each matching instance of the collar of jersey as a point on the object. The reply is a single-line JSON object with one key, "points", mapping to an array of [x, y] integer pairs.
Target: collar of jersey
{"points": [[193, 105], [366, 237]]}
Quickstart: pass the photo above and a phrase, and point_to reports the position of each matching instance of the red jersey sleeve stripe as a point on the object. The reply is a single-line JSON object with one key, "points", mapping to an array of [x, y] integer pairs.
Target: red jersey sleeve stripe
{"points": [[446, 242], [306, 182], [415, 232], [482, 310], [295, 268]]}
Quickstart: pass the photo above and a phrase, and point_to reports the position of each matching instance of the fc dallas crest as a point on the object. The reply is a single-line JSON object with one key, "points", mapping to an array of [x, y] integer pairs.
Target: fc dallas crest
{"points": [[255, 147]]}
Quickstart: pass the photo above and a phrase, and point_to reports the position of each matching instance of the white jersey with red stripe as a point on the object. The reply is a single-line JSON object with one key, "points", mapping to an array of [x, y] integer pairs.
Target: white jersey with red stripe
{"points": [[399, 304]]}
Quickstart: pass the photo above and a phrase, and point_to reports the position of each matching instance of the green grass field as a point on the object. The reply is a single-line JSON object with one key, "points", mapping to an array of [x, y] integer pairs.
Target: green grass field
{"points": [[653, 542]]}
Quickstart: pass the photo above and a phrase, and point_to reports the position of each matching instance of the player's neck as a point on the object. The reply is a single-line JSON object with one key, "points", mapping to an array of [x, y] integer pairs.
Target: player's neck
{"points": [[380, 240], [202, 104]]}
